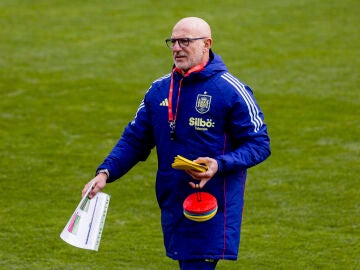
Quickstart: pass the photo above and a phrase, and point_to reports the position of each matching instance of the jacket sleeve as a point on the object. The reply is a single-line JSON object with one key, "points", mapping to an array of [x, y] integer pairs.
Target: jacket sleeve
{"points": [[134, 145], [247, 133]]}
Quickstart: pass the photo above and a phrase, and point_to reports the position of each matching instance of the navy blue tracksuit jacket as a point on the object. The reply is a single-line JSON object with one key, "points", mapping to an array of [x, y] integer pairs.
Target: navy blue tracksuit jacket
{"points": [[216, 116]]}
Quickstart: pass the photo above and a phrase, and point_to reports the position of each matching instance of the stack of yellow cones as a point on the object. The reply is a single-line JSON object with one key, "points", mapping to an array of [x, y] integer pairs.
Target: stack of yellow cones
{"points": [[181, 163]]}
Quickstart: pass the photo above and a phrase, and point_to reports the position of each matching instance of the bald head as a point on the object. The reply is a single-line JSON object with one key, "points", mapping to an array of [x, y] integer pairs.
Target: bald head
{"points": [[191, 43], [192, 27]]}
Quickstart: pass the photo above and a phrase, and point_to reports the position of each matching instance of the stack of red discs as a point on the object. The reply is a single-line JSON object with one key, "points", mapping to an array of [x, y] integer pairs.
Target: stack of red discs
{"points": [[200, 206]]}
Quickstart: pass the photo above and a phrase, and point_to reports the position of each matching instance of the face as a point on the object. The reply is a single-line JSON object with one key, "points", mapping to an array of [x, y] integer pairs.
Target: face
{"points": [[187, 57]]}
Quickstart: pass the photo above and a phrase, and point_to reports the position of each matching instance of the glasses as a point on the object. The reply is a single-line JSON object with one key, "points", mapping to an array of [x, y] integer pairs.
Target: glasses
{"points": [[183, 42]]}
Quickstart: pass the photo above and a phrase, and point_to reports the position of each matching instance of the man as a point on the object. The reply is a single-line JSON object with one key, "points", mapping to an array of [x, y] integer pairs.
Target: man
{"points": [[204, 113]]}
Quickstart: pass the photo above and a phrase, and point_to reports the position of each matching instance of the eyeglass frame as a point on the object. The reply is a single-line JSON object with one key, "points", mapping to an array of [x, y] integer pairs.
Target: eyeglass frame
{"points": [[180, 41]]}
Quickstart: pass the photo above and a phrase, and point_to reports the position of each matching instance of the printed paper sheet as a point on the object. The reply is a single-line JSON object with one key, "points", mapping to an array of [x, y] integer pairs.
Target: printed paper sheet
{"points": [[85, 226]]}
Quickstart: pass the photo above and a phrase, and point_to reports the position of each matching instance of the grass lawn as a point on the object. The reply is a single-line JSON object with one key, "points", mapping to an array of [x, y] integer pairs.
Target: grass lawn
{"points": [[72, 74]]}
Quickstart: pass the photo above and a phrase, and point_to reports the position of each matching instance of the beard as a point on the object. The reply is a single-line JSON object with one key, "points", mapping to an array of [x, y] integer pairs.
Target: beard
{"points": [[185, 63]]}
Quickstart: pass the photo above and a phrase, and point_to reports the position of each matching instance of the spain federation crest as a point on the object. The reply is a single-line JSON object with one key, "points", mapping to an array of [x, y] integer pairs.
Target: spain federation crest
{"points": [[203, 103]]}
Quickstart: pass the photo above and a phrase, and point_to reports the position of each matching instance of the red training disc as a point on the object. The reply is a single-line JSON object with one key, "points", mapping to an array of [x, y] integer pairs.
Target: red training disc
{"points": [[200, 203]]}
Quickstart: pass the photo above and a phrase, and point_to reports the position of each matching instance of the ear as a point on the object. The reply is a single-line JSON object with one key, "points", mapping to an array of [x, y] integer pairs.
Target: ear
{"points": [[208, 43]]}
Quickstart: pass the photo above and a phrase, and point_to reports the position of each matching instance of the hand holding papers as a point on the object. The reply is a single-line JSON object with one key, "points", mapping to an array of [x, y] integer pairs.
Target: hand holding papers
{"points": [[181, 163], [85, 226]]}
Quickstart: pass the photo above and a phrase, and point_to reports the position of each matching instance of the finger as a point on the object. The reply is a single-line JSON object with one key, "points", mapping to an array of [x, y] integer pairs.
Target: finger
{"points": [[95, 189], [199, 185], [92, 194], [193, 174], [193, 185], [200, 160], [86, 187]]}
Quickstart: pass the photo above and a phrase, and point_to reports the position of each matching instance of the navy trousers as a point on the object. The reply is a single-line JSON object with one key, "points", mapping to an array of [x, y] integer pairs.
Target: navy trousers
{"points": [[205, 264]]}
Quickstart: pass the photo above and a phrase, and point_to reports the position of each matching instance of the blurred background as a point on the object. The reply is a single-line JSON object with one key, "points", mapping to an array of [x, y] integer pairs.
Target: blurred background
{"points": [[72, 74]]}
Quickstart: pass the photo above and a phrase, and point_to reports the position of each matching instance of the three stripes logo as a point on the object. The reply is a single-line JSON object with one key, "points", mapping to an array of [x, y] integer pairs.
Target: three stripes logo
{"points": [[165, 102]]}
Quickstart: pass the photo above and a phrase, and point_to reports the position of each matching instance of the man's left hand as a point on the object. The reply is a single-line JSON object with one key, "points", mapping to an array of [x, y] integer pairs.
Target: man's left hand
{"points": [[203, 177]]}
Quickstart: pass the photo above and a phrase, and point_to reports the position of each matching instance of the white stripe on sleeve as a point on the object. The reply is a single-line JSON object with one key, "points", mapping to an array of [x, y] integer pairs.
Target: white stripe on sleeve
{"points": [[250, 103]]}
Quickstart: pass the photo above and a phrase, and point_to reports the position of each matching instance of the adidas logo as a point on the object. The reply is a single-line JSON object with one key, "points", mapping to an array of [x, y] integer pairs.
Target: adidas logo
{"points": [[164, 102]]}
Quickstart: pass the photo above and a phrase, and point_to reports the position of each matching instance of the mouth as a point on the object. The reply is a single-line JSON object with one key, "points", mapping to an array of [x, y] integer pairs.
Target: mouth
{"points": [[179, 57]]}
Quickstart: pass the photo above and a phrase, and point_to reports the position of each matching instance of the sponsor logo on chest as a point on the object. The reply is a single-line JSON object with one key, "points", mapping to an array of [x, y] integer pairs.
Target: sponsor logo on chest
{"points": [[201, 124]]}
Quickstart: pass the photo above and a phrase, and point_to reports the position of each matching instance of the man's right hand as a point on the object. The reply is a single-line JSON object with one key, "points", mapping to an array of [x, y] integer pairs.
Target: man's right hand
{"points": [[99, 184]]}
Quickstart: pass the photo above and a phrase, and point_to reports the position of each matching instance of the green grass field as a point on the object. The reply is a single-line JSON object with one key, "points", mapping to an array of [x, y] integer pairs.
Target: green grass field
{"points": [[72, 74]]}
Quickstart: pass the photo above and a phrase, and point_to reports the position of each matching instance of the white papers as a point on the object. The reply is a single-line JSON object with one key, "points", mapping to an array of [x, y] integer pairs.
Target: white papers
{"points": [[85, 226]]}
